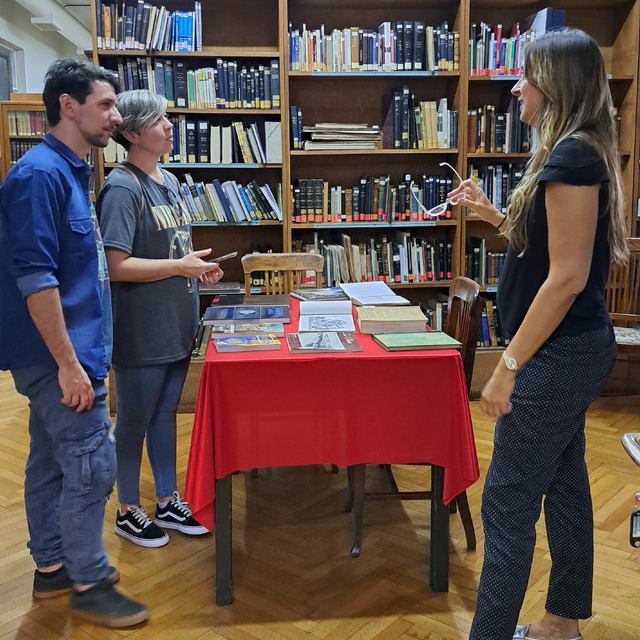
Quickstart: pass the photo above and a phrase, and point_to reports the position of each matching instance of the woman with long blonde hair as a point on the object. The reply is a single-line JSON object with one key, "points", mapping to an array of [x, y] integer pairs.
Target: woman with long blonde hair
{"points": [[565, 223]]}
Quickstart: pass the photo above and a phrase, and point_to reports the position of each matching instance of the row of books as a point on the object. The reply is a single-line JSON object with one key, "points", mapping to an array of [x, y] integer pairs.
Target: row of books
{"points": [[373, 199], [199, 141], [27, 123], [225, 86], [229, 201], [427, 124], [135, 24], [405, 259], [481, 265], [395, 46], [490, 131], [497, 181], [17, 148], [491, 53], [491, 333]]}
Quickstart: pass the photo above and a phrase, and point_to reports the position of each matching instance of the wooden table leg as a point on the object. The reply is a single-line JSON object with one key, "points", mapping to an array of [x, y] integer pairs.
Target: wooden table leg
{"points": [[224, 575], [357, 496], [439, 544]]}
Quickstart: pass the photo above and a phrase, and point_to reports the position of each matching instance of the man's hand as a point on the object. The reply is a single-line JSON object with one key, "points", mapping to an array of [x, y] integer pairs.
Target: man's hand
{"points": [[77, 392]]}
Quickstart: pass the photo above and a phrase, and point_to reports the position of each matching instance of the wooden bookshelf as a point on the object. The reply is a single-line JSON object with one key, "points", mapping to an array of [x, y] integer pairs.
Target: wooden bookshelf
{"points": [[258, 39], [615, 25], [247, 30], [9, 138]]}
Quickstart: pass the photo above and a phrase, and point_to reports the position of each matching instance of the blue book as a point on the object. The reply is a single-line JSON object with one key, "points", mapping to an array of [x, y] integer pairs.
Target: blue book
{"points": [[228, 344]]}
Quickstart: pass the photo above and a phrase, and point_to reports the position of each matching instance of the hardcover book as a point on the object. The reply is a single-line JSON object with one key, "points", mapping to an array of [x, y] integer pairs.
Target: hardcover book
{"points": [[228, 344], [391, 319], [322, 341], [324, 293], [415, 341], [245, 313]]}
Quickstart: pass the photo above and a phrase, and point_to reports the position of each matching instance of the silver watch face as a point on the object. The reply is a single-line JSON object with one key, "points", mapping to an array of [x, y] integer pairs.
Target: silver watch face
{"points": [[511, 363]]}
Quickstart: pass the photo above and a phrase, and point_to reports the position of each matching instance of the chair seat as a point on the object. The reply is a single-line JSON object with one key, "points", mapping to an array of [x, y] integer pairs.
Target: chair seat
{"points": [[627, 335]]}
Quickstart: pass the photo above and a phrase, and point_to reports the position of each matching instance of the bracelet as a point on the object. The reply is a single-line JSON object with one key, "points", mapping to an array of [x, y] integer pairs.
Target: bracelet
{"points": [[501, 222]]}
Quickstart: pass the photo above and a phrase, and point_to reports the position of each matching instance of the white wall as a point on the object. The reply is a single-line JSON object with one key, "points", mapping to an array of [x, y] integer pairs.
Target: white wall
{"points": [[38, 49]]}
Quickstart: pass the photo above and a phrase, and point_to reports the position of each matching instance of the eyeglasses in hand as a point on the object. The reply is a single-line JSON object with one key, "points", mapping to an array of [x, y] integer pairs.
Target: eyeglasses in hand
{"points": [[439, 209]]}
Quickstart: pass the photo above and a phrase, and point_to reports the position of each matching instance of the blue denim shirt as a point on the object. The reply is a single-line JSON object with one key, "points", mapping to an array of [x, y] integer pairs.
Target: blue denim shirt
{"points": [[49, 239]]}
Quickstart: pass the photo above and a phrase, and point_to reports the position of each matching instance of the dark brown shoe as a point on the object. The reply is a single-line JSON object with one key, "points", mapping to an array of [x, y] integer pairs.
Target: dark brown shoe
{"points": [[46, 586]]}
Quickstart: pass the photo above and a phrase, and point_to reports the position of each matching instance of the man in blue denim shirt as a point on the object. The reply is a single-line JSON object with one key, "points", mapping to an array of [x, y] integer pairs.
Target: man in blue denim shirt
{"points": [[55, 337]]}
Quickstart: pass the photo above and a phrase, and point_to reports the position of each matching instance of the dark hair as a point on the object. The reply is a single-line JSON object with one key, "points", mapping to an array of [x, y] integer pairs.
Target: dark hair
{"points": [[73, 76]]}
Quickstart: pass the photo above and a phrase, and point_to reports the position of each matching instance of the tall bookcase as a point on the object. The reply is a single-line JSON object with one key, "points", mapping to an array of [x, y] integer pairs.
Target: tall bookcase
{"points": [[256, 31], [22, 126]]}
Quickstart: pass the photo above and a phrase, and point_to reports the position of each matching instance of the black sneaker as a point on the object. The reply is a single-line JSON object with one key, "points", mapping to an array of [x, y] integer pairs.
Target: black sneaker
{"points": [[57, 583], [104, 605], [176, 514], [136, 526]]}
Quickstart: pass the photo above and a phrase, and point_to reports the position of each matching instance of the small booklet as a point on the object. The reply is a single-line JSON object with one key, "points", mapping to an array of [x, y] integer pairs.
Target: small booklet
{"points": [[241, 313], [324, 293], [248, 329], [227, 344], [372, 293], [332, 315], [414, 341], [318, 341]]}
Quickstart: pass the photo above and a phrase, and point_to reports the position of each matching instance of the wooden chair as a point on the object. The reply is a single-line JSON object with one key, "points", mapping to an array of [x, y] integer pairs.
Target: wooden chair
{"points": [[622, 298], [279, 269], [463, 324]]}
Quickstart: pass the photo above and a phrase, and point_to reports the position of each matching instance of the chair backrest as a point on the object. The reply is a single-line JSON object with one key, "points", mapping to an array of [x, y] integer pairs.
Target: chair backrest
{"points": [[623, 287], [463, 320], [279, 269]]}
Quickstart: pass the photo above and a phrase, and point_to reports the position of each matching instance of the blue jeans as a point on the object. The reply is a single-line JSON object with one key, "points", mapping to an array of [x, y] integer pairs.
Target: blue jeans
{"points": [[146, 404], [69, 476]]}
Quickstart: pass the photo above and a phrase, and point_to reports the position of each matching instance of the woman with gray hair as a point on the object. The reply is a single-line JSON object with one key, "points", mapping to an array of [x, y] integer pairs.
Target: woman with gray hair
{"points": [[154, 274]]}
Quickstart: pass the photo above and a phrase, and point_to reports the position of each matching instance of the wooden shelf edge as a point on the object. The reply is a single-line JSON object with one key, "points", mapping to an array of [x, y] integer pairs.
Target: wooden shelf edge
{"points": [[207, 52], [360, 152]]}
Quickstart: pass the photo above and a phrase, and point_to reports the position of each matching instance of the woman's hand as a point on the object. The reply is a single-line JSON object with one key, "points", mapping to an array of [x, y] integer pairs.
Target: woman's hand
{"points": [[469, 194], [213, 276], [495, 399], [192, 265]]}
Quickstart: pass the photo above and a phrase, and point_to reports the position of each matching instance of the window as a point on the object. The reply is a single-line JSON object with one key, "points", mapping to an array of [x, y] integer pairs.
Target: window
{"points": [[7, 65]]}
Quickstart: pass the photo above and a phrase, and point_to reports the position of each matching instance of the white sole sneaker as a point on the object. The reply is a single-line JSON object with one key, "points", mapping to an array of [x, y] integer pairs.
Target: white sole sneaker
{"points": [[176, 526], [142, 542]]}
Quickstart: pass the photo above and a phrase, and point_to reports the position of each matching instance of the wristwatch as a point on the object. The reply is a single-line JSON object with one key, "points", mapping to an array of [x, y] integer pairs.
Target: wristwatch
{"points": [[510, 362]]}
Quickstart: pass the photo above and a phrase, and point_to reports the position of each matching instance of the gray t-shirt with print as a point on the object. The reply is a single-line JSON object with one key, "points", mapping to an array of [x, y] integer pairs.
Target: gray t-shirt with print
{"points": [[153, 322]]}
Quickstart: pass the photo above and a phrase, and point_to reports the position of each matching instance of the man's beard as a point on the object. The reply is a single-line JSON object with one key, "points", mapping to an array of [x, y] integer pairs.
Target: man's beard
{"points": [[96, 140]]}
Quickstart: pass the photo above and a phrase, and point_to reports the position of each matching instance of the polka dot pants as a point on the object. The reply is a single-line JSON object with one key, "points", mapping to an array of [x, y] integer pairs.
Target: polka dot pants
{"points": [[539, 452]]}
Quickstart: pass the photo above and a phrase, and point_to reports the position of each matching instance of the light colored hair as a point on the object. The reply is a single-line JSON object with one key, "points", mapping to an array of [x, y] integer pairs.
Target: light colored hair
{"points": [[568, 68], [140, 109]]}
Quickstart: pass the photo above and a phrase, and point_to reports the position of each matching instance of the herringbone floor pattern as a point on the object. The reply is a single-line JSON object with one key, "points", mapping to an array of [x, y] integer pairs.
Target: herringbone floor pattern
{"points": [[294, 577]]}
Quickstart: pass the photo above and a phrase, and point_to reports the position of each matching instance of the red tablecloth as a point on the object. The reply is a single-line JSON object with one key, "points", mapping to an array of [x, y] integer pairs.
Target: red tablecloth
{"points": [[275, 409]]}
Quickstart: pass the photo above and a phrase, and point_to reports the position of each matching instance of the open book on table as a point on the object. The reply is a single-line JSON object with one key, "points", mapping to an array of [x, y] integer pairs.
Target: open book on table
{"points": [[332, 315], [372, 293]]}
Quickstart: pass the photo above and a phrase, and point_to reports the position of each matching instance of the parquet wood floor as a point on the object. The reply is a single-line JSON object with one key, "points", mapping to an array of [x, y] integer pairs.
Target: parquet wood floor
{"points": [[294, 577]]}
